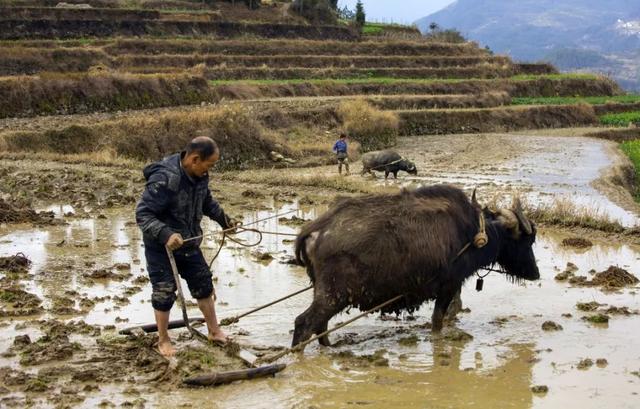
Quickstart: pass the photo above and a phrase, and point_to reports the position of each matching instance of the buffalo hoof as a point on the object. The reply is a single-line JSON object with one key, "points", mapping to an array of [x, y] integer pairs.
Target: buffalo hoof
{"points": [[436, 326], [324, 341]]}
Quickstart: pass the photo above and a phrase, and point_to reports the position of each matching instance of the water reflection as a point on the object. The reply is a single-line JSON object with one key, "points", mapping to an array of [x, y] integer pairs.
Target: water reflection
{"points": [[562, 167], [495, 369]]}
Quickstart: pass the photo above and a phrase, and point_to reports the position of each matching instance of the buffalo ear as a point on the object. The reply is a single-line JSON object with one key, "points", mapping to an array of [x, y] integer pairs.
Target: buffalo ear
{"points": [[522, 219]]}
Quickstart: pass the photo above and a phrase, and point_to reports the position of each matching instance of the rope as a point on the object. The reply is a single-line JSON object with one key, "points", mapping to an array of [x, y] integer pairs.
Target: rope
{"points": [[240, 228], [479, 240], [387, 164], [231, 320], [301, 345], [235, 227]]}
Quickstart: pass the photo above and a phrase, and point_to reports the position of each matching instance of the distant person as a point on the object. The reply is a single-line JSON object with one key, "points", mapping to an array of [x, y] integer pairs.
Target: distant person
{"points": [[340, 149], [175, 198]]}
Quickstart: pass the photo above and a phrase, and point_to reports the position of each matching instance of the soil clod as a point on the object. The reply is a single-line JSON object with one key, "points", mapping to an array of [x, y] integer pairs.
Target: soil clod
{"points": [[551, 326], [577, 242]]}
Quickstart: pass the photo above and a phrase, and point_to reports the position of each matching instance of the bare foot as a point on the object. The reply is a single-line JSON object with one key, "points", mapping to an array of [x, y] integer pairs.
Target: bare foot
{"points": [[218, 337], [166, 349]]}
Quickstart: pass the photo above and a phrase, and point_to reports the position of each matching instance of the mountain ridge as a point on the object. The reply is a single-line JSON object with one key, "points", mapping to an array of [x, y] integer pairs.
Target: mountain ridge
{"points": [[553, 31]]}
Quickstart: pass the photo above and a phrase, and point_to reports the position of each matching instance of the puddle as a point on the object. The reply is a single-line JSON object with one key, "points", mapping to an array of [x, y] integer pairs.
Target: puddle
{"points": [[546, 169], [508, 354]]}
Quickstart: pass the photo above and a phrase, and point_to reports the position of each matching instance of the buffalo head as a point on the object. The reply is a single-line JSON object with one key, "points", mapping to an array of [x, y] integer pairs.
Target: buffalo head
{"points": [[515, 254], [409, 167]]}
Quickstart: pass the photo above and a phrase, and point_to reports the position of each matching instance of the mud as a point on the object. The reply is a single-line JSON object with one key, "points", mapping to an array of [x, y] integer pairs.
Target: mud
{"points": [[496, 352], [22, 214], [551, 326], [18, 263]]}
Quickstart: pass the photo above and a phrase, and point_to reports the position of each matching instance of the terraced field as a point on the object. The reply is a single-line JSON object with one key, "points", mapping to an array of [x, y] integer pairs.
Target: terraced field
{"points": [[90, 95], [430, 87]]}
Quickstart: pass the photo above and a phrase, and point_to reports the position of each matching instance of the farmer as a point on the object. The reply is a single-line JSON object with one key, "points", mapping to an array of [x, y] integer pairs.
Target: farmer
{"points": [[340, 149], [175, 198]]}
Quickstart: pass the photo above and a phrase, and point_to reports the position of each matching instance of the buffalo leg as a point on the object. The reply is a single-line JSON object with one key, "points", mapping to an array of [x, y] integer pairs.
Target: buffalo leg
{"points": [[454, 307], [442, 303], [324, 340], [386, 175], [395, 175], [315, 320]]}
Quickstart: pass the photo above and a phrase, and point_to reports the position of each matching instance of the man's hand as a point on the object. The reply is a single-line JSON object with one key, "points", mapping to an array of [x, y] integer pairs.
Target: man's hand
{"points": [[231, 225], [175, 242]]}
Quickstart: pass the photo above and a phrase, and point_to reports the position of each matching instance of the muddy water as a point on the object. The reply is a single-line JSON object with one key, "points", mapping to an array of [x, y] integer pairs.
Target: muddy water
{"points": [[541, 169], [508, 354]]}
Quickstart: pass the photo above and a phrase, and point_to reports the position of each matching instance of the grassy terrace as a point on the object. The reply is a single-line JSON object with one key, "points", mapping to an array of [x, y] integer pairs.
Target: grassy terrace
{"points": [[388, 80]]}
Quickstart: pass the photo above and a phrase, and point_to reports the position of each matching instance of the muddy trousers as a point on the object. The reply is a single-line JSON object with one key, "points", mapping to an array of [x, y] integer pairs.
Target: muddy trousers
{"points": [[191, 266]]}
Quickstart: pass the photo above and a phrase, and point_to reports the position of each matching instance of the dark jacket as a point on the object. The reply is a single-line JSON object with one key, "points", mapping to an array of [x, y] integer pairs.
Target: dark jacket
{"points": [[173, 202]]}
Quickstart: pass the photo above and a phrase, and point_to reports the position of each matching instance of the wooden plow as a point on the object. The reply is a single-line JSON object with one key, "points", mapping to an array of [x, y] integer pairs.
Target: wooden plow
{"points": [[250, 360]]}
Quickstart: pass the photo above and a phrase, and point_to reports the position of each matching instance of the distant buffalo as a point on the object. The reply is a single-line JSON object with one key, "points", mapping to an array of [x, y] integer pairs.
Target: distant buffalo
{"points": [[366, 250], [388, 161]]}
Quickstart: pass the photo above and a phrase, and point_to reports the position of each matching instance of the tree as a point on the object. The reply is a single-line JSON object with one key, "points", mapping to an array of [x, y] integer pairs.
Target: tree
{"points": [[360, 15], [334, 4], [434, 26], [346, 14]]}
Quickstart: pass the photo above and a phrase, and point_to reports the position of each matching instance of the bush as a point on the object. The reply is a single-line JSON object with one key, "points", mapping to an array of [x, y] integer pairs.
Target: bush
{"points": [[316, 11], [74, 139], [444, 36], [372, 128], [150, 137], [238, 135]]}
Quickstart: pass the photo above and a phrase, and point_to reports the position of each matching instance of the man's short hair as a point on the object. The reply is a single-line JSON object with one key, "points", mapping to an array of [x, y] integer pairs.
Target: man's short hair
{"points": [[203, 146], [343, 135]]}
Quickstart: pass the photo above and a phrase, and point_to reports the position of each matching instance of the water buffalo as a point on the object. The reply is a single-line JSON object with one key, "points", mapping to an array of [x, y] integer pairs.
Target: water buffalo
{"points": [[366, 250], [388, 161]]}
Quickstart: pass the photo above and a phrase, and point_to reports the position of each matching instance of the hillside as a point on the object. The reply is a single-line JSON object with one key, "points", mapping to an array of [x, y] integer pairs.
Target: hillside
{"points": [[112, 72], [572, 34], [92, 92]]}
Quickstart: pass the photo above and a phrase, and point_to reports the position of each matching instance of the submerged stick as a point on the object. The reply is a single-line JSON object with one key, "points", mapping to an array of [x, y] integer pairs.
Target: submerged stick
{"points": [[231, 320], [227, 377], [154, 327], [301, 345]]}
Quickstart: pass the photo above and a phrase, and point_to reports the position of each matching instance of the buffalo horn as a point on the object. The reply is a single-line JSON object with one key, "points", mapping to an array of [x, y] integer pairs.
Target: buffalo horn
{"points": [[517, 209], [473, 198]]}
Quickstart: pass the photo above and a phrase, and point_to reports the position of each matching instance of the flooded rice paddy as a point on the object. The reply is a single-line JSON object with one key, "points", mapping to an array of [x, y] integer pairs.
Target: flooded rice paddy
{"points": [[508, 354], [493, 356], [541, 169]]}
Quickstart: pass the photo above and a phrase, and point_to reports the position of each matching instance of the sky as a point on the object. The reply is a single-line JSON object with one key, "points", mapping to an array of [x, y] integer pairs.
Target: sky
{"points": [[397, 11]]}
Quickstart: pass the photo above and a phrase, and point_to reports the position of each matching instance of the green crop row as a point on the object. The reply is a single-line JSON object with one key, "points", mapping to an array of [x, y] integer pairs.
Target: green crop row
{"points": [[632, 149], [621, 99], [621, 119]]}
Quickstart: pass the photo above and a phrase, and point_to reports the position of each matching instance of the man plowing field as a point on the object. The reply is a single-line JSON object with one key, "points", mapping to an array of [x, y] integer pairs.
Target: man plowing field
{"points": [[175, 199]]}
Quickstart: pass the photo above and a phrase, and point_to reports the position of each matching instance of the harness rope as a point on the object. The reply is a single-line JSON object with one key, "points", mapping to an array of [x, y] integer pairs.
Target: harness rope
{"points": [[387, 164], [479, 240]]}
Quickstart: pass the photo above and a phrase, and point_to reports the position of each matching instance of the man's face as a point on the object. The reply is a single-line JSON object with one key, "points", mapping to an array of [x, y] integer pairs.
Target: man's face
{"points": [[200, 167]]}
